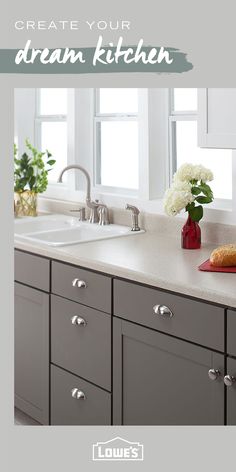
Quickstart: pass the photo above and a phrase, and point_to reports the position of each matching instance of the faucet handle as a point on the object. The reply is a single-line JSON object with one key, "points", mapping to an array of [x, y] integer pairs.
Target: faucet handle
{"points": [[134, 215]]}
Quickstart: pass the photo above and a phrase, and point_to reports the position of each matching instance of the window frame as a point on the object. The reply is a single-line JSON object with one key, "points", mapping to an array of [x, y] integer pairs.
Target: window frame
{"points": [[99, 117], [153, 173], [190, 115], [67, 188]]}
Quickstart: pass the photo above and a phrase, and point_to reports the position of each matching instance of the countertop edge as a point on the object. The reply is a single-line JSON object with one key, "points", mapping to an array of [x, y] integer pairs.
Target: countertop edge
{"points": [[131, 275]]}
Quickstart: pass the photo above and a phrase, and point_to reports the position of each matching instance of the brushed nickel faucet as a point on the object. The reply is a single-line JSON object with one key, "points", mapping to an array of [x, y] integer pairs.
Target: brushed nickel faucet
{"points": [[93, 206], [134, 216]]}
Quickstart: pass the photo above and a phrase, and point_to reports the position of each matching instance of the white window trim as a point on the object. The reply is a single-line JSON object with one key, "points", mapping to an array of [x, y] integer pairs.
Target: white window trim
{"points": [[101, 117], [219, 204], [153, 152], [53, 189]]}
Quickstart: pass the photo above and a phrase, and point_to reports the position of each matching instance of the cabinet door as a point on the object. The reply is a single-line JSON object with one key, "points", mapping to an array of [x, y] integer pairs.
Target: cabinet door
{"points": [[32, 352], [217, 118], [231, 392], [160, 380]]}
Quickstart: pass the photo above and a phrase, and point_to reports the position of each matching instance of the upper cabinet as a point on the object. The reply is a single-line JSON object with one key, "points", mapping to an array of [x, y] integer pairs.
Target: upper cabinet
{"points": [[217, 118]]}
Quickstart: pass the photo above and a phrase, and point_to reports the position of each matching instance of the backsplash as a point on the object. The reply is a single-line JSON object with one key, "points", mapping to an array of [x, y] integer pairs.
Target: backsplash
{"points": [[214, 233]]}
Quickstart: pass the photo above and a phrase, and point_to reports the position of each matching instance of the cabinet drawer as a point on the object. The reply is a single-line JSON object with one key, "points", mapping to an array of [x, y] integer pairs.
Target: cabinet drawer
{"points": [[95, 289], [231, 332], [93, 409], [84, 349], [32, 270], [196, 321]]}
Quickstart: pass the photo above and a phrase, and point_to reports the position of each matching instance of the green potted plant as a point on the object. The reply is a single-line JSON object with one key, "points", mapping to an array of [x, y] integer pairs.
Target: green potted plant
{"points": [[30, 178]]}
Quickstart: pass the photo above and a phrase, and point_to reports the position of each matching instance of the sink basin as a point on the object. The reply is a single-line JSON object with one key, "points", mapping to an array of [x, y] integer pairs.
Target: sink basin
{"points": [[62, 230]]}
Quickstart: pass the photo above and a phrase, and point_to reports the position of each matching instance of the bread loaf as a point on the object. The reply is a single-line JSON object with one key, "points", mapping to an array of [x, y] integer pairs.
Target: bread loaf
{"points": [[224, 256]]}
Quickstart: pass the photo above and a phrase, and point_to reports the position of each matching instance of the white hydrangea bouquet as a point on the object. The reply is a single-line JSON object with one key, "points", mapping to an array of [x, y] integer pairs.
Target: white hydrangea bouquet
{"points": [[189, 190]]}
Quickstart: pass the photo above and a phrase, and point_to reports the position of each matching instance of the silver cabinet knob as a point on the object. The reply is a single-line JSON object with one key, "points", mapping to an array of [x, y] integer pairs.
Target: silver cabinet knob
{"points": [[229, 380], [78, 394], [79, 283], [77, 320], [213, 374], [163, 310]]}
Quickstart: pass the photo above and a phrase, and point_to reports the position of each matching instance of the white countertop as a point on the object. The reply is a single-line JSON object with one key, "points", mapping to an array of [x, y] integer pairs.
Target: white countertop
{"points": [[151, 259]]}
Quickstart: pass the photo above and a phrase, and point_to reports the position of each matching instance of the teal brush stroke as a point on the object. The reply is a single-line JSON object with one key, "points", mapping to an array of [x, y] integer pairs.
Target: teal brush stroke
{"points": [[178, 65]]}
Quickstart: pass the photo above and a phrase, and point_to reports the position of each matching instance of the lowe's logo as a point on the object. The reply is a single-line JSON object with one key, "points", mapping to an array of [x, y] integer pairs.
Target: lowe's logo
{"points": [[118, 449]]}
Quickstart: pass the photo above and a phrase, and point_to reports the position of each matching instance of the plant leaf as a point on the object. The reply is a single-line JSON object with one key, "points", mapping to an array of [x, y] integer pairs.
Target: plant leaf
{"points": [[196, 190], [196, 213], [206, 189], [190, 205], [203, 200], [51, 162]]}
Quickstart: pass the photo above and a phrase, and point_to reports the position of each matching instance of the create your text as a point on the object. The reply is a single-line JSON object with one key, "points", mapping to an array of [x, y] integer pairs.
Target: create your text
{"points": [[103, 54]]}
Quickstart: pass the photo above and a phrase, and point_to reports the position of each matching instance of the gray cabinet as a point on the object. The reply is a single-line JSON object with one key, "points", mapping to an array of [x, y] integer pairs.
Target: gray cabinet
{"points": [[32, 270], [77, 402], [32, 352], [160, 380], [82, 286], [154, 339], [230, 377], [193, 320], [230, 381], [231, 332], [81, 340]]}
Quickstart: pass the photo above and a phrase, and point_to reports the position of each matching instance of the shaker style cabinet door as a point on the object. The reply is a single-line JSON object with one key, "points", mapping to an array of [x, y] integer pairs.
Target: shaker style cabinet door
{"points": [[217, 118], [230, 382], [160, 380], [32, 352]]}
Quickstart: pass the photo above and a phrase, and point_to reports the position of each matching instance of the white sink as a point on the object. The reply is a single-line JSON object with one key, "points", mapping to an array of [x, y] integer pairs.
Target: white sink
{"points": [[62, 230]]}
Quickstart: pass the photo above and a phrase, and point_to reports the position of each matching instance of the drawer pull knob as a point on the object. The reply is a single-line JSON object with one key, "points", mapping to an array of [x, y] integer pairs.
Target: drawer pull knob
{"points": [[229, 380], [77, 320], [213, 374], [78, 394], [79, 283], [162, 310]]}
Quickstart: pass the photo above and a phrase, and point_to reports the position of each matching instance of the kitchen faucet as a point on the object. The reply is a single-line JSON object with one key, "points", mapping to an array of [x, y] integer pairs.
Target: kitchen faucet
{"points": [[93, 218]]}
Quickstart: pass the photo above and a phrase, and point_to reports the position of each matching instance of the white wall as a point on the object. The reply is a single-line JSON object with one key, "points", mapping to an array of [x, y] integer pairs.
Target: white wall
{"points": [[24, 117]]}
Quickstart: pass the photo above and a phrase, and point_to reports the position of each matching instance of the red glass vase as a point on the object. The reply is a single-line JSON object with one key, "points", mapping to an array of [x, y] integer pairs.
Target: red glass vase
{"points": [[191, 234]]}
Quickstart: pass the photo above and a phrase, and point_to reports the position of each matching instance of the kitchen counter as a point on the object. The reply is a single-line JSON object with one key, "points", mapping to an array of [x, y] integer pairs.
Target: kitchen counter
{"points": [[150, 259]]}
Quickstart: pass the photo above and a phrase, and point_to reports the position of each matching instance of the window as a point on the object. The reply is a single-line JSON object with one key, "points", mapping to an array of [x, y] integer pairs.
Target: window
{"points": [[51, 126], [116, 138], [131, 141], [183, 143]]}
